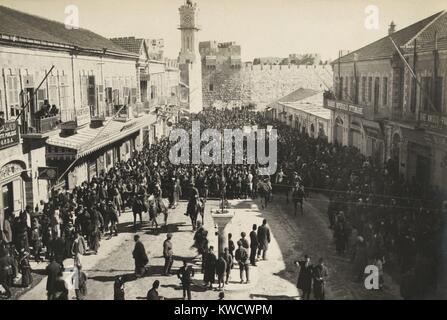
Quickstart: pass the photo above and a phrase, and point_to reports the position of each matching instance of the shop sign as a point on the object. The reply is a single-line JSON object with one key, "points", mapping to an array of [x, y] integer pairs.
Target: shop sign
{"points": [[47, 173], [83, 116], [9, 134]]}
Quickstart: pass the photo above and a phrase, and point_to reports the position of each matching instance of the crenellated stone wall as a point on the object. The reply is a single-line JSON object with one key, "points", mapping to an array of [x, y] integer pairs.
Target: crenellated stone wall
{"points": [[231, 86]]}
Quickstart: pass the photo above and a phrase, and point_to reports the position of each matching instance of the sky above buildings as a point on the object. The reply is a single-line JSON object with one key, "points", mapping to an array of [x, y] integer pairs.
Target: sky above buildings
{"points": [[263, 28]]}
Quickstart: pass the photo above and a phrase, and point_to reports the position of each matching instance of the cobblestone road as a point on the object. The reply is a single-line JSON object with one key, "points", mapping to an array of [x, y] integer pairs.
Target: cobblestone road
{"points": [[272, 279]]}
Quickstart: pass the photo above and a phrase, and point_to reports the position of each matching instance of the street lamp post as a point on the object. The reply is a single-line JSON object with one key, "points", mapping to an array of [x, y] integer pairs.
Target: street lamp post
{"points": [[222, 216]]}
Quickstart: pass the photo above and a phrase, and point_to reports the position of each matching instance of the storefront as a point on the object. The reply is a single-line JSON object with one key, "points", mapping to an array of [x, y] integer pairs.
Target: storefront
{"points": [[13, 171], [374, 140], [91, 151], [355, 134], [13, 177]]}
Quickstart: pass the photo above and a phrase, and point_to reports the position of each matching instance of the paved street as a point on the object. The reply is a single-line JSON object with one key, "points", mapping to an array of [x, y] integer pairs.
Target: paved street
{"points": [[272, 279]]}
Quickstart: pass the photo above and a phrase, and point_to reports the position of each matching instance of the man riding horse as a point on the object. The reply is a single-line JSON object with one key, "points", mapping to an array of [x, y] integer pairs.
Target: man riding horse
{"points": [[195, 206], [155, 206]]}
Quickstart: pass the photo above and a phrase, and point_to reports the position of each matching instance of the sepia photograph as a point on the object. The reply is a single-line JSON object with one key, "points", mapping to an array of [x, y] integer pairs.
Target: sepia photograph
{"points": [[246, 152]]}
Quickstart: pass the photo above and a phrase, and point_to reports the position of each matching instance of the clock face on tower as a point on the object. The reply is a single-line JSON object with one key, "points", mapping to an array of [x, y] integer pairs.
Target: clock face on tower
{"points": [[187, 20]]}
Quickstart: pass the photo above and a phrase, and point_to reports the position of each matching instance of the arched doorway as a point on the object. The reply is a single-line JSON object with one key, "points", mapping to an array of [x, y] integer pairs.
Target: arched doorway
{"points": [[12, 182], [339, 130]]}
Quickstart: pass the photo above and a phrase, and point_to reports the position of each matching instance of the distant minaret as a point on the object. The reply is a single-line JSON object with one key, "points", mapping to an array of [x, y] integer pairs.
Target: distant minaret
{"points": [[190, 63], [189, 30]]}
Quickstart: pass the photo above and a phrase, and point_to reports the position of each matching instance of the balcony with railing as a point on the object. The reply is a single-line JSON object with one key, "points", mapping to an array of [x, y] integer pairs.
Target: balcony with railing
{"points": [[40, 127]]}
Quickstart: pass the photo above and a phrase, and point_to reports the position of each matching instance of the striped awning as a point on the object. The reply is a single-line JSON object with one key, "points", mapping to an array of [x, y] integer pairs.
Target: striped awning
{"points": [[88, 140]]}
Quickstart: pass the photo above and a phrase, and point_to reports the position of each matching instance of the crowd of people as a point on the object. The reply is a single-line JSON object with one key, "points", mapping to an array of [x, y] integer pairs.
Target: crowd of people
{"points": [[376, 216]]}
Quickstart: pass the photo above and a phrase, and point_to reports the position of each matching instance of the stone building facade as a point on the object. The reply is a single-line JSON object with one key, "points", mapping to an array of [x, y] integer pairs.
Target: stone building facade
{"points": [[84, 79], [379, 107]]}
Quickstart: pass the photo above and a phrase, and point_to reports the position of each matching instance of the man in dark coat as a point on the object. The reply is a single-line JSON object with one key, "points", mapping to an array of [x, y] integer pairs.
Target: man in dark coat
{"points": [[319, 274], [242, 260], [185, 273], [229, 264], [244, 241], [263, 239], [152, 294], [118, 288], [305, 277], [167, 254], [140, 256], [221, 267], [253, 245], [53, 270], [209, 267], [6, 271]]}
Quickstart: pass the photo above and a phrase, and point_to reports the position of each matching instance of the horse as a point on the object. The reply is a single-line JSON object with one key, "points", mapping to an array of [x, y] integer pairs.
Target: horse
{"points": [[195, 207], [298, 197], [155, 206]]}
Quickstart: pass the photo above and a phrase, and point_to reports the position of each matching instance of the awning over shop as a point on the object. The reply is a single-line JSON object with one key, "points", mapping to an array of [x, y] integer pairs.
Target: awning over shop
{"points": [[88, 140], [372, 129]]}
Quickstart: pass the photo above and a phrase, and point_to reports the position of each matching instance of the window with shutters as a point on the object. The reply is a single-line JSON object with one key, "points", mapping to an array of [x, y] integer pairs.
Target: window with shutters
{"points": [[351, 89], [425, 97], [133, 94], [115, 83], [346, 89], [13, 93], [64, 92], [53, 95], [385, 91], [109, 95], [340, 88], [438, 94], [116, 97], [91, 91], [84, 91], [413, 95], [108, 158], [100, 93], [363, 89], [126, 94], [370, 82]]}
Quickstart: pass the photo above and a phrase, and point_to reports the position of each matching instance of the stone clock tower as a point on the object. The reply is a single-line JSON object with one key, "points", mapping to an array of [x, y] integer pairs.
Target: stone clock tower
{"points": [[189, 58], [189, 30]]}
